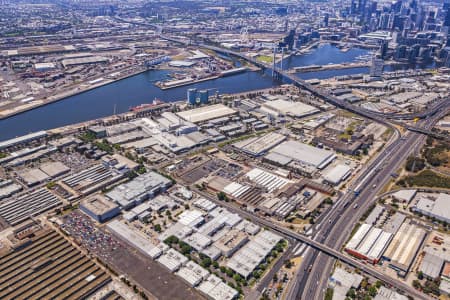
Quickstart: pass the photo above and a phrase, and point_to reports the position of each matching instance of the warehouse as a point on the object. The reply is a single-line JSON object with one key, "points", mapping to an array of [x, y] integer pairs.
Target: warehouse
{"points": [[404, 196], [83, 61], [404, 247], [27, 205], [133, 238], [32, 177], [44, 67], [198, 241], [216, 289], [139, 189], [435, 206], [172, 260], [260, 145], [206, 113], [245, 260], [54, 169], [91, 179], [23, 139], [231, 242], [177, 230], [368, 243], [49, 267], [374, 215], [282, 107], [99, 208], [303, 153], [267, 180], [192, 273], [341, 281], [387, 294], [8, 188], [212, 252], [432, 263], [338, 174], [224, 215], [191, 218], [204, 204]]}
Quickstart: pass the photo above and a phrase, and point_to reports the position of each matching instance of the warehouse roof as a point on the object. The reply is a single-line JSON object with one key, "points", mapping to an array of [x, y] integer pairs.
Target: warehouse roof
{"points": [[191, 218], [387, 294], [431, 264], [258, 146], [404, 246], [437, 207], [404, 195], [338, 173], [22, 139], [133, 238], [206, 113], [296, 109], [305, 153], [98, 204]]}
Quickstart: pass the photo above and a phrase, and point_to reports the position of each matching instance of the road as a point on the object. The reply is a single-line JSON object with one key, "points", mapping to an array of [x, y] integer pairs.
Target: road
{"points": [[334, 234]]}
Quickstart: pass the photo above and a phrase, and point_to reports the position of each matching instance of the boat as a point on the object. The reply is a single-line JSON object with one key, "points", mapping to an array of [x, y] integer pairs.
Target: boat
{"points": [[146, 105]]}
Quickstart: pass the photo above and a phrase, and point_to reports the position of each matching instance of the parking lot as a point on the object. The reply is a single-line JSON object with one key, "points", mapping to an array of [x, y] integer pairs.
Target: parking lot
{"points": [[149, 274]]}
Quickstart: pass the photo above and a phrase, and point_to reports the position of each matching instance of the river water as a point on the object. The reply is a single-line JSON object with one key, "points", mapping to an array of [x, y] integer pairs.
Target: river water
{"points": [[138, 89]]}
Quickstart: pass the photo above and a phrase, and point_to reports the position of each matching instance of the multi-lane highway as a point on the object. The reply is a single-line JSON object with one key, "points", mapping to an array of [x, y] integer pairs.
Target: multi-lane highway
{"points": [[335, 232]]}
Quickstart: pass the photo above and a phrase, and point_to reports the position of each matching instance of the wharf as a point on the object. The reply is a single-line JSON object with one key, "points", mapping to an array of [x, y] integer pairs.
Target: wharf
{"points": [[81, 88]]}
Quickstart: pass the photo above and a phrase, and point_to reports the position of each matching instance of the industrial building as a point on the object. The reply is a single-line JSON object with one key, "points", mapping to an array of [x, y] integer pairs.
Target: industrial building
{"points": [[258, 146], [198, 241], [54, 169], [91, 179], [404, 196], [49, 267], [8, 188], [338, 174], [434, 205], [433, 262], [368, 243], [172, 260], [141, 188], [191, 218], [99, 208], [177, 230], [387, 294], [214, 288], [267, 180], [192, 273], [404, 247], [288, 108], [341, 281], [44, 67], [206, 113], [245, 260], [22, 139], [293, 151], [135, 239], [32, 177], [30, 204], [231, 242], [70, 62]]}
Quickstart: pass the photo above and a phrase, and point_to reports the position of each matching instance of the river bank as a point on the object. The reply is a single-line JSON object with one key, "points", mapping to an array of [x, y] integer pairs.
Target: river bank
{"points": [[82, 88]]}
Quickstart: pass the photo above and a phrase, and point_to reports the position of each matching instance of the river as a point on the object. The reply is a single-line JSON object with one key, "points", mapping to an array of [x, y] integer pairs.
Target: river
{"points": [[138, 89]]}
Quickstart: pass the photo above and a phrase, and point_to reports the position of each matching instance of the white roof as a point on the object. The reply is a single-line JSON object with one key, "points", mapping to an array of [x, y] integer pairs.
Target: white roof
{"points": [[405, 195], [338, 173], [305, 153], [190, 217], [206, 113], [296, 109]]}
